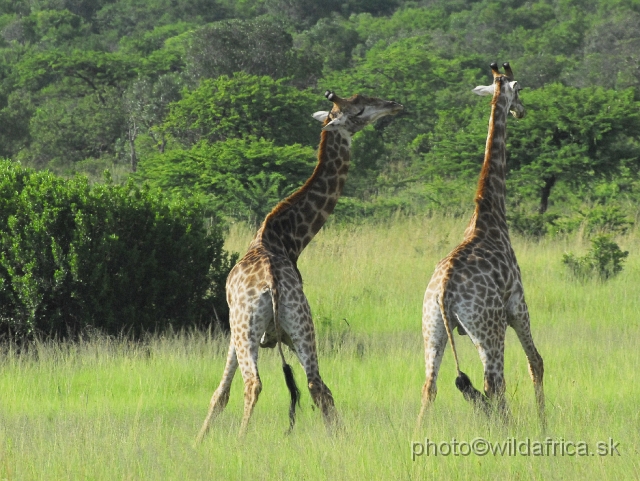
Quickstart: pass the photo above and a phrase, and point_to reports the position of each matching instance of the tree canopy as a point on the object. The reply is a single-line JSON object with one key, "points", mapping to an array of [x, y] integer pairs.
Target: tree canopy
{"points": [[131, 86]]}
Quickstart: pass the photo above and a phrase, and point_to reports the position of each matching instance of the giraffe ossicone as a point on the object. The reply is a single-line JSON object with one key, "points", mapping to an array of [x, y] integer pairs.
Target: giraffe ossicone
{"points": [[267, 305], [477, 288]]}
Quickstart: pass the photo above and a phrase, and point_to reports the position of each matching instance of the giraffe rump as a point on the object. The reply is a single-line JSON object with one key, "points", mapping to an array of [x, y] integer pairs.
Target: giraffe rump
{"points": [[463, 383]]}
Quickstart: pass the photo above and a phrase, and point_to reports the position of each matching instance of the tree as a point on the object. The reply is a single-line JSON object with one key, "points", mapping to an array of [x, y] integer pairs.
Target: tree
{"points": [[573, 136], [14, 117], [88, 71], [132, 17], [406, 72], [47, 28], [611, 54], [146, 104], [257, 46], [65, 131], [244, 106], [302, 13], [242, 178], [323, 48]]}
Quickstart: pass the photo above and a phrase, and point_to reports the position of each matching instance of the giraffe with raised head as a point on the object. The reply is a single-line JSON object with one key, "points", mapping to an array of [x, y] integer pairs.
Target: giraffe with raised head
{"points": [[267, 305], [477, 288]]}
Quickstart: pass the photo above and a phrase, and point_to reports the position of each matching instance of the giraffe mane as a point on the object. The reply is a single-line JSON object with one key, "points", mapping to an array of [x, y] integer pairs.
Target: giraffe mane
{"points": [[284, 204], [488, 151]]}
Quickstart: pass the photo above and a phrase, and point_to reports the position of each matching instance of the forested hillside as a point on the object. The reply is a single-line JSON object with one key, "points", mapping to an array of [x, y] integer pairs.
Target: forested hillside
{"points": [[213, 99]]}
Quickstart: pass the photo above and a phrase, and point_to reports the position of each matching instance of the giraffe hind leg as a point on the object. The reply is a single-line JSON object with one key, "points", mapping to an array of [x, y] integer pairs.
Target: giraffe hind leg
{"points": [[495, 388], [220, 397], [536, 366], [494, 382], [493, 363], [435, 342], [248, 360], [252, 389], [299, 326], [323, 398]]}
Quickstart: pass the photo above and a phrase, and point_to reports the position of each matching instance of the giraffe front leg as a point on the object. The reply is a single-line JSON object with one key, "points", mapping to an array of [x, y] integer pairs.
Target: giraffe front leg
{"points": [[220, 397]]}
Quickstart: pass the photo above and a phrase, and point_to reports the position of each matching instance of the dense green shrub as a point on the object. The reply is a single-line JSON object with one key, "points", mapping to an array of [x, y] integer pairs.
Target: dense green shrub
{"points": [[602, 219], [603, 260], [115, 258]]}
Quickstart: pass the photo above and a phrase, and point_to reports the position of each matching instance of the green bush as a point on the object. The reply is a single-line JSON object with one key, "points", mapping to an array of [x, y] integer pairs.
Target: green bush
{"points": [[533, 226], [603, 260], [117, 258], [602, 219]]}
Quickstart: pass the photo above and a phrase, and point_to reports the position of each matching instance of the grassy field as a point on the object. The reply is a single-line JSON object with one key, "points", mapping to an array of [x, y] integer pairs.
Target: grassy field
{"points": [[108, 409]]}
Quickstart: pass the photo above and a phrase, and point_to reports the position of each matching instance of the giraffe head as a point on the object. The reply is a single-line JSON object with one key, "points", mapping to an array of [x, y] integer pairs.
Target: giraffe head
{"points": [[353, 114], [508, 87]]}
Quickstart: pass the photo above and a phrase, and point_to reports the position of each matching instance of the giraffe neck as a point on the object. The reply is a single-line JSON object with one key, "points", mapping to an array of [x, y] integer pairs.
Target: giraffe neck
{"points": [[490, 212], [297, 219]]}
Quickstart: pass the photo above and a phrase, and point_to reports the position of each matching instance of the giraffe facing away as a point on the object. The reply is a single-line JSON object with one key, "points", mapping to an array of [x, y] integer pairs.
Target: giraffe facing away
{"points": [[477, 287], [267, 305]]}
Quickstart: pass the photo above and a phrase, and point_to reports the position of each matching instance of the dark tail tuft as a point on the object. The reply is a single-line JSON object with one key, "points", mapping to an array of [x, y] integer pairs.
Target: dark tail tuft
{"points": [[294, 391], [471, 394]]}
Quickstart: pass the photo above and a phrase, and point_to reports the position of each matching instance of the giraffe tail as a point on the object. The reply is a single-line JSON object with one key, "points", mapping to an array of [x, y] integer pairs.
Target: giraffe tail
{"points": [[463, 383], [294, 392]]}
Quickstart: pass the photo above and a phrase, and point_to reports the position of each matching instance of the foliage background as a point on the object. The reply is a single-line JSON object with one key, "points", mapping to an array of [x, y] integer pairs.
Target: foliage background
{"points": [[208, 104], [201, 112], [88, 85]]}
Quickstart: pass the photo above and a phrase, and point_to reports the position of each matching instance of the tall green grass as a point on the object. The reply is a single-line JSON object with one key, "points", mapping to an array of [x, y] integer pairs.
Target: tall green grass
{"points": [[109, 409]]}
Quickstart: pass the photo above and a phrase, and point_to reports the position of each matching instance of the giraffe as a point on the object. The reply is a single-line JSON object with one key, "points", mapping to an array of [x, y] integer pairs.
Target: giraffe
{"points": [[477, 287], [267, 305]]}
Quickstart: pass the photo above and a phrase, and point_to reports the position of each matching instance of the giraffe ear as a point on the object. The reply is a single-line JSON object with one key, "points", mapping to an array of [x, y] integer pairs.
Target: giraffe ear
{"points": [[335, 124], [321, 115], [484, 90]]}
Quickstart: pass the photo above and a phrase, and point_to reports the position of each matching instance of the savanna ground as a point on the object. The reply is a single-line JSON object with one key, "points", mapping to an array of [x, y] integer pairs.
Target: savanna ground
{"points": [[108, 409]]}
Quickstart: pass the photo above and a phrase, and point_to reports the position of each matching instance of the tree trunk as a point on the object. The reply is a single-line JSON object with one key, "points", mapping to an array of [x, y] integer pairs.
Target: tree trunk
{"points": [[133, 133], [545, 192]]}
